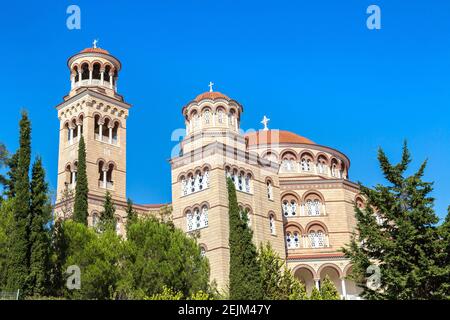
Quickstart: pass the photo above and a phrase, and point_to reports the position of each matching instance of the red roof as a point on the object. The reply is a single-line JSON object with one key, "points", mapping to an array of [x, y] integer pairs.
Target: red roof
{"points": [[275, 137], [95, 50], [211, 95]]}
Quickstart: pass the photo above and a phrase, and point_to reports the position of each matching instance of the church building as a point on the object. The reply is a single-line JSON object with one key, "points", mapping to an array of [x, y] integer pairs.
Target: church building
{"points": [[296, 192]]}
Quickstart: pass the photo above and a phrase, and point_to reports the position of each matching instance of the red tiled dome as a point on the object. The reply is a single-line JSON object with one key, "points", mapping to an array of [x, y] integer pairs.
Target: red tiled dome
{"points": [[211, 95], [95, 50], [275, 137]]}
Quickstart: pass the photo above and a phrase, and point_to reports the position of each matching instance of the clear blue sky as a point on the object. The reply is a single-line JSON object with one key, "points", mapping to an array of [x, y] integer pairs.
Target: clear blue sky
{"points": [[312, 66]]}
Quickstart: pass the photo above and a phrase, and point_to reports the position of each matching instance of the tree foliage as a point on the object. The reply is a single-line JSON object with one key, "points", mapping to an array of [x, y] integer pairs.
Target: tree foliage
{"points": [[278, 282], [107, 216], [40, 215], [245, 280], [396, 230], [328, 290], [18, 254], [80, 209]]}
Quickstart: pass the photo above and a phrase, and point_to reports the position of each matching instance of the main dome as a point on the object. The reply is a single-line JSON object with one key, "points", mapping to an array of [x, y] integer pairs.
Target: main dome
{"points": [[275, 137], [94, 50], [211, 95]]}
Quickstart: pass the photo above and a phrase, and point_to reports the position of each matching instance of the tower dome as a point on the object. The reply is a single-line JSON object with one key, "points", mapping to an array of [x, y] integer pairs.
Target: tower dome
{"points": [[94, 68]]}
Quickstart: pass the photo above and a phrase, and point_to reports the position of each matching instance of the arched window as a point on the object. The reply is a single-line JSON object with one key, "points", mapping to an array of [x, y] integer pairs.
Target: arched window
{"points": [[289, 207], [293, 239], [109, 176], [202, 251], [220, 116], [96, 71], [322, 165], [306, 164], [248, 183], [115, 133], [207, 116], [272, 224], [106, 73], [269, 190], [288, 162], [84, 71], [198, 219], [313, 207], [77, 76], [317, 237], [95, 219]]}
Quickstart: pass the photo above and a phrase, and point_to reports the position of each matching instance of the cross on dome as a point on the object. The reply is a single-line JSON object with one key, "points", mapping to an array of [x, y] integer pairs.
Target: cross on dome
{"points": [[265, 121], [210, 85], [94, 43]]}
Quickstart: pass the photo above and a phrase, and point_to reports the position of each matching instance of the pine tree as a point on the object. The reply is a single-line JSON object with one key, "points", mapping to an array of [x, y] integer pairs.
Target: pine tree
{"points": [[107, 219], [59, 252], [396, 231], [132, 215], [18, 256], [328, 290], [39, 231], [80, 210], [443, 292], [245, 274]]}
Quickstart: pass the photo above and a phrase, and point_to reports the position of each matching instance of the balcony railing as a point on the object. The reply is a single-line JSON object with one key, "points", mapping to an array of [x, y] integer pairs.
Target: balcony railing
{"points": [[306, 243]]}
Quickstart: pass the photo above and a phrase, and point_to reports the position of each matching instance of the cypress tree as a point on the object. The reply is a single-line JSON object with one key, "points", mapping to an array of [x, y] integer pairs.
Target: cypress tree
{"points": [[3, 162], [10, 181], [80, 209], [18, 255], [396, 231], [59, 250], [245, 273], [107, 219], [39, 233]]}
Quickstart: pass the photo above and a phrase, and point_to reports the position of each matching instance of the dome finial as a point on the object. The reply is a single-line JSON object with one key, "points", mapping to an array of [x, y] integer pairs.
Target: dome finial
{"points": [[94, 43], [265, 121], [210, 85]]}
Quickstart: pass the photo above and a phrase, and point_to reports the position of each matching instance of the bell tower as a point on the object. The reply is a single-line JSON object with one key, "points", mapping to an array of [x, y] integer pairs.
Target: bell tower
{"points": [[93, 109]]}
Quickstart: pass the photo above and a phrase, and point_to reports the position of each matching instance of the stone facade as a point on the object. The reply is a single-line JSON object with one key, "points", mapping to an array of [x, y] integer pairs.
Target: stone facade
{"points": [[297, 193]]}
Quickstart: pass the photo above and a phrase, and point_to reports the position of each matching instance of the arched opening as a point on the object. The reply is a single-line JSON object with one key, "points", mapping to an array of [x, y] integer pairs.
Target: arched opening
{"points": [[74, 128], [105, 129], [96, 71], [289, 206], [106, 76], [84, 71], [352, 289], [272, 226], [109, 176], [317, 236], [322, 165], [77, 76], [115, 132], [333, 275], [101, 174], [305, 276]]}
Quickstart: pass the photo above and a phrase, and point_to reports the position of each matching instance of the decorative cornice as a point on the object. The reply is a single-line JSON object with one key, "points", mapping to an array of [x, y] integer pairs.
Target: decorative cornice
{"points": [[226, 151], [95, 94]]}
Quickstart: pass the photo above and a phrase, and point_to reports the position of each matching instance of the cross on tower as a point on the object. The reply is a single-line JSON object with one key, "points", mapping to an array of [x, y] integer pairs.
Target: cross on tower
{"points": [[210, 85], [94, 43], [265, 121]]}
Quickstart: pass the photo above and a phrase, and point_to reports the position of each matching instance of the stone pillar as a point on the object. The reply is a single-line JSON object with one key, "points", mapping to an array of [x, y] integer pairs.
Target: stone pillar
{"points": [[104, 178], [79, 131], [72, 81], [110, 128], [344, 289], [111, 75], [102, 76], [317, 283], [73, 177], [90, 75], [71, 135], [100, 130]]}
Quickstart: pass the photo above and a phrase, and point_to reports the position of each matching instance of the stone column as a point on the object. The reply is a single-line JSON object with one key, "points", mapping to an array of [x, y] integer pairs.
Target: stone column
{"points": [[317, 283], [344, 289], [111, 75], [100, 130], [104, 178], [71, 134], [110, 128], [102, 76], [90, 75]]}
